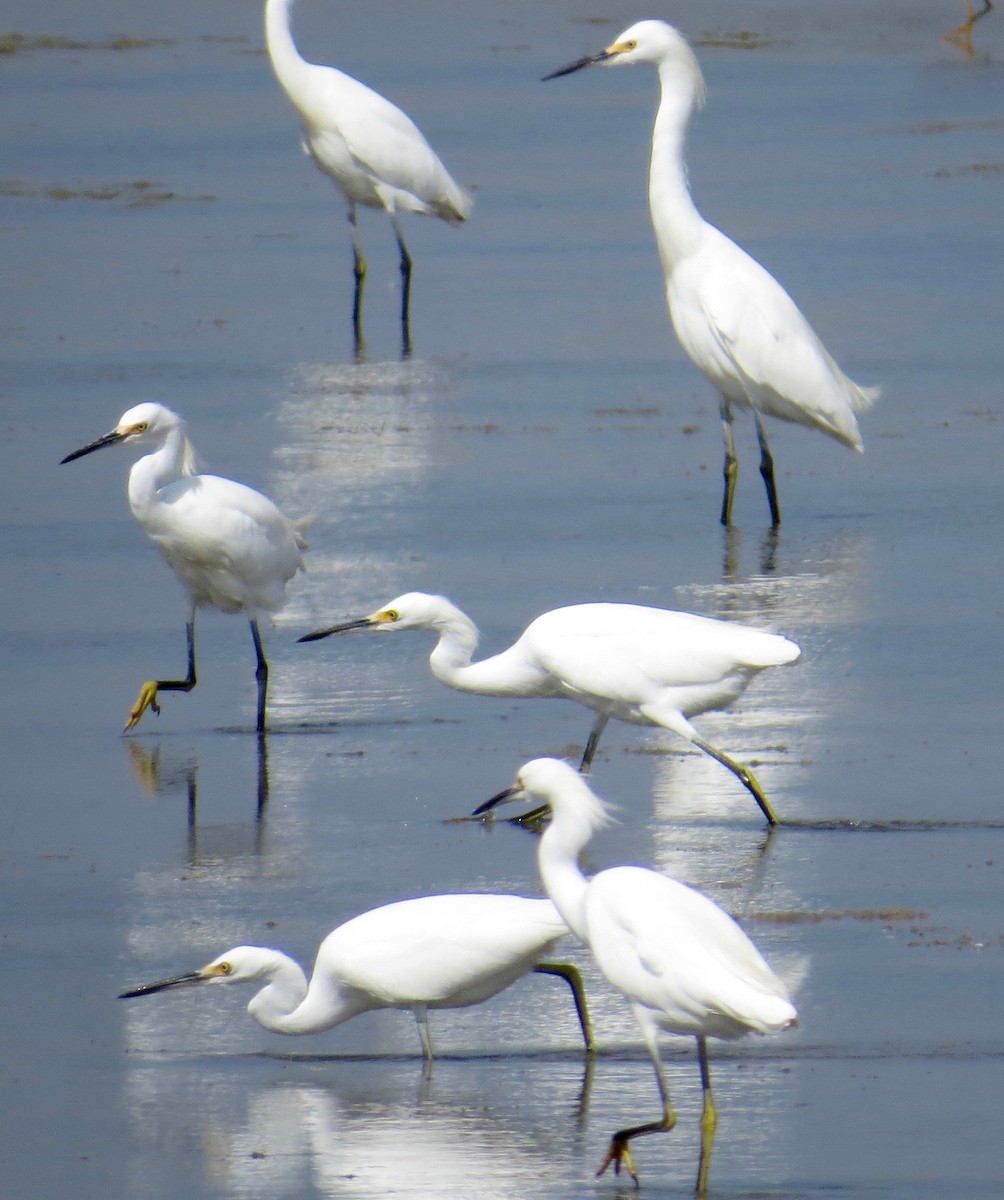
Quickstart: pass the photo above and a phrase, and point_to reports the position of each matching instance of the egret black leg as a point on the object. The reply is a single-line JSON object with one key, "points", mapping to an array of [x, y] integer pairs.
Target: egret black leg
{"points": [[767, 472], [261, 674], [359, 277], [405, 293], [592, 742]]}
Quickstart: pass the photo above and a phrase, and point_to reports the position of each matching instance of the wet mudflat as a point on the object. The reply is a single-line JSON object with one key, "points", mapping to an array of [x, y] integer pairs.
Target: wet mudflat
{"points": [[546, 443]]}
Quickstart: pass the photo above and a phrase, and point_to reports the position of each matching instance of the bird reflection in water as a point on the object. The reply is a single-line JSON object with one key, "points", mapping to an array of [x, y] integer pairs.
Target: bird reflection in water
{"points": [[361, 1136], [164, 774]]}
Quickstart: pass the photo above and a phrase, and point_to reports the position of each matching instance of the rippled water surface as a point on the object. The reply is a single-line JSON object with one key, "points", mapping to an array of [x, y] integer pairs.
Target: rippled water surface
{"points": [[546, 443]]}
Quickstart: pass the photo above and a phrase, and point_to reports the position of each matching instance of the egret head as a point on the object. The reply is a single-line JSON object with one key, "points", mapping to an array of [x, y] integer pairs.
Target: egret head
{"points": [[651, 43], [146, 424], [243, 964], [556, 783], [413, 610]]}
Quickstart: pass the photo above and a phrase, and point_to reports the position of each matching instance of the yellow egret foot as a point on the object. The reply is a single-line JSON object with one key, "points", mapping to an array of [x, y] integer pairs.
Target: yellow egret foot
{"points": [[743, 774], [147, 698], [620, 1153], [963, 34]]}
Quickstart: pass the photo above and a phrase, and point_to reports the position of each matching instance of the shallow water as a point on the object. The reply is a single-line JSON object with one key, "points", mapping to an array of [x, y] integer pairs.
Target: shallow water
{"points": [[548, 442]]}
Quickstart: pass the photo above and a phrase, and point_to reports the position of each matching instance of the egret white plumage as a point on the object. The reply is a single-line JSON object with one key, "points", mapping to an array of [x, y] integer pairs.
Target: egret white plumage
{"points": [[734, 320], [647, 666], [230, 546], [683, 962], [372, 151], [449, 951]]}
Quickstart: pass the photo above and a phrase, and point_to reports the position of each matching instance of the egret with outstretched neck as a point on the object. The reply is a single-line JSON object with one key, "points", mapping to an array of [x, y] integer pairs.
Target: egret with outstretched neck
{"points": [[372, 151], [647, 666], [230, 546], [733, 319], [449, 951], [683, 963]]}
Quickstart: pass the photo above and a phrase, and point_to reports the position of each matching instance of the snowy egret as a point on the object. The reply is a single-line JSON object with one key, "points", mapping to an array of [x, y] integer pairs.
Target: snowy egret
{"points": [[431, 952], [229, 545], [649, 666], [682, 962], [372, 151], [734, 320]]}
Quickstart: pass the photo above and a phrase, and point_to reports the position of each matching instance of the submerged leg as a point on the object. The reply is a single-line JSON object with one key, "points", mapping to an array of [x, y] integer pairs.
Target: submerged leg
{"points": [[359, 276], [767, 472], [730, 470], [261, 674], [743, 774], [405, 290], [709, 1118], [422, 1017], [619, 1153], [573, 977], [147, 697]]}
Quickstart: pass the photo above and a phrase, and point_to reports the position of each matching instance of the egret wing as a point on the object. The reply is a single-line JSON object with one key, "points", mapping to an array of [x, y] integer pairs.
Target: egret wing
{"points": [[460, 949], [670, 948], [623, 651], [737, 322]]}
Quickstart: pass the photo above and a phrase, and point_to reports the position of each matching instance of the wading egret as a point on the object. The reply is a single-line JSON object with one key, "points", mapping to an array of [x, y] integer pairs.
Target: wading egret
{"points": [[432, 952], [372, 151], [649, 666], [229, 545], [734, 320], [682, 962]]}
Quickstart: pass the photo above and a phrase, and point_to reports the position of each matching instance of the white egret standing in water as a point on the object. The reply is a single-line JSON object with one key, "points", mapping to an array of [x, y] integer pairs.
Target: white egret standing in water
{"points": [[648, 666], [683, 963], [448, 951], [229, 545], [734, 320], [371, 150]]}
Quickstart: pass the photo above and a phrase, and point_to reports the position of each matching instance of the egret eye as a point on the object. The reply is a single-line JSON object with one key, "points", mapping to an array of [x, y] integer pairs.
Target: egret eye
{"points": [[225, 968], [630, 45], [392, 614], [140, 427]]}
